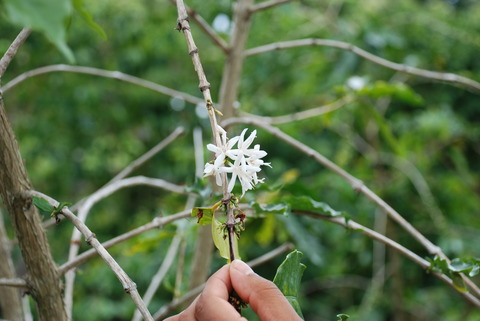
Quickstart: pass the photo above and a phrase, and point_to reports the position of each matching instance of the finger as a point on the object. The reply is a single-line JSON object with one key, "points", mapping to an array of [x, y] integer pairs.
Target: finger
{"points": [[212, 304], [264, 297]]}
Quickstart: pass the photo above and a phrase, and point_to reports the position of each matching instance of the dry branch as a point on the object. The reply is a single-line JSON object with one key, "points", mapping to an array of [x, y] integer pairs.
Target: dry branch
{"points": [[128, 285], [101, 73], [446, 77], [267, 5], [12, 50], [350, 224]]}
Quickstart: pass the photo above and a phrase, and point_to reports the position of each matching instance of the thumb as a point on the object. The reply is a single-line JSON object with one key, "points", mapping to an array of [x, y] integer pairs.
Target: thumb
{"points": [[264, 297]]}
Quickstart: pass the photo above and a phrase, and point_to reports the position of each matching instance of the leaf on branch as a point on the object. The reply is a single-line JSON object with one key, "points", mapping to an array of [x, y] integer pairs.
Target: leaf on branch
{"points": [[220, 239], [288, 277], [43, 205], [48, 17], [342, 317], [78, 5], [468, 266]]}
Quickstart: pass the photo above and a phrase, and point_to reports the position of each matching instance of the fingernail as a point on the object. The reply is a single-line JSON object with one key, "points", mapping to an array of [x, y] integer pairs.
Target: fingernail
{"points": [[241, 267]]}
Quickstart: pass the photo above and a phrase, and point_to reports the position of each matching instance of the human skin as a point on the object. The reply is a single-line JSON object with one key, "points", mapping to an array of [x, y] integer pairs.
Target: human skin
{"points": [[264, 297]]}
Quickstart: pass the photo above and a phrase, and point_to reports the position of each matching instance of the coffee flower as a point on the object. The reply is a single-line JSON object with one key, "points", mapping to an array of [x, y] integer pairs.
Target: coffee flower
{"points": [[242, 163]]}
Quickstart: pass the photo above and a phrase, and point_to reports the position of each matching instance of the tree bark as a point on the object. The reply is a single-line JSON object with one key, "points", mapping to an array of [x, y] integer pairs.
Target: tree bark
{"points": [[10, 302], [43, 281]]}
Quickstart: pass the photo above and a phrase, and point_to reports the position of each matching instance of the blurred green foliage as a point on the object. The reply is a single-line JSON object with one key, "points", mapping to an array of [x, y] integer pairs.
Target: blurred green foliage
{"points": [[413, 141]]}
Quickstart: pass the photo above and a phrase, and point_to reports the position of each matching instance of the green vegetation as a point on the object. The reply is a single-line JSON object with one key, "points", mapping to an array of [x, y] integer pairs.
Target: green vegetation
{"points": [[412, 140]]}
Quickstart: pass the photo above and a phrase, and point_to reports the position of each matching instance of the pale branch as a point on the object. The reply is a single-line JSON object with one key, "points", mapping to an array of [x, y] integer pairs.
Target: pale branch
{"points": [[161, 273], [12, 50], [434, 75], [128, 285], [301, 115], [190, 295], [14, 282], [157, 222], [232, 70], [208, 30], [357, 185], [88, 203], [102, 73], [148, 155], [184, 26], [267, 5], [352, 225]]}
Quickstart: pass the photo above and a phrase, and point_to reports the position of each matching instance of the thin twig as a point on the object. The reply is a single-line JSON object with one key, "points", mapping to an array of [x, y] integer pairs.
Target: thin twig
{"points": [[128, 285], [184, 26], [357, 185], [304, 114], [162, 271], [267, 5], [190, 295], [157, 222], [12, 50], [148, 155], [352, 225], [102, 73], [446, 77], [208, 30], [15, 282]]}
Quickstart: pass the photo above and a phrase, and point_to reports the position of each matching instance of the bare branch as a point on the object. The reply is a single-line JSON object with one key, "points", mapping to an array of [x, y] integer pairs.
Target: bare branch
{"points": [[148, 155], [446, 77], [208, 30], [267, 5], [190, 295], [157, 222], [352, 225], [304, 114], [162, 271], [128, 285], [14, 282], [12, 50], [101, 73], [357, 185]]}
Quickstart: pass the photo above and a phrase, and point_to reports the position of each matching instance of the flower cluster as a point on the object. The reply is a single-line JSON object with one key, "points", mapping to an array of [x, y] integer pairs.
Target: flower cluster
{"points": [[241, 162]]}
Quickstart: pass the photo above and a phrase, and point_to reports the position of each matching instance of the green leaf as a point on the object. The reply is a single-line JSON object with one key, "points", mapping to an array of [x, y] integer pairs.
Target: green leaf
{"points": [[305, 203], [203, 214], [45, 16], [279, 208], [220, 239], [458, 282], [288, 277], [342, 317], [43, 205], [78, 5]]}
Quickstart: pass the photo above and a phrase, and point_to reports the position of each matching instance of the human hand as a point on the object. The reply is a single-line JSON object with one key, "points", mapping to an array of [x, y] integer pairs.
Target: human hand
{"points": [[264, 297]]}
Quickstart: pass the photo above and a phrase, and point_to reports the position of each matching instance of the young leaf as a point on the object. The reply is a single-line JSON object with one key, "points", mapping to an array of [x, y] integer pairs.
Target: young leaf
{"points": [[288, 277], [47, 17], [43, 205], [342, 317], [78, 5], [220, 239], [203, 214], [305, 203]]}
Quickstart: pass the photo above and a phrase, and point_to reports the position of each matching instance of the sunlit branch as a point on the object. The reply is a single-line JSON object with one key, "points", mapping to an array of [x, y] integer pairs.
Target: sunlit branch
{"points": [[304, 114], [446, 77], [157, 222], [128, 285], [102, 73], [267, 5], [12, 50], [190, 295], [352, 225]]}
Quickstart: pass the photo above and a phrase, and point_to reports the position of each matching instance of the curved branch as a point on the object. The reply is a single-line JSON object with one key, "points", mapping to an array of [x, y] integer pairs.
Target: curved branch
{"points": [[12, 50], [128, 285], [301, 115], [157, 222], [101, 73], [446, 77], [352, 225]]}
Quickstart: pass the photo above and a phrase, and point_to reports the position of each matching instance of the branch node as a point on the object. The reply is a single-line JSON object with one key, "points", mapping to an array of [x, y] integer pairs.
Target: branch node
{"points": [[204, 87], [132, 287], [193, 51], [90, 238]]}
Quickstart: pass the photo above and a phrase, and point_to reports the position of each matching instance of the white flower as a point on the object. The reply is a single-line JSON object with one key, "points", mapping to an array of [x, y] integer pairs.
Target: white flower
{"points": [[246, 162]]}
